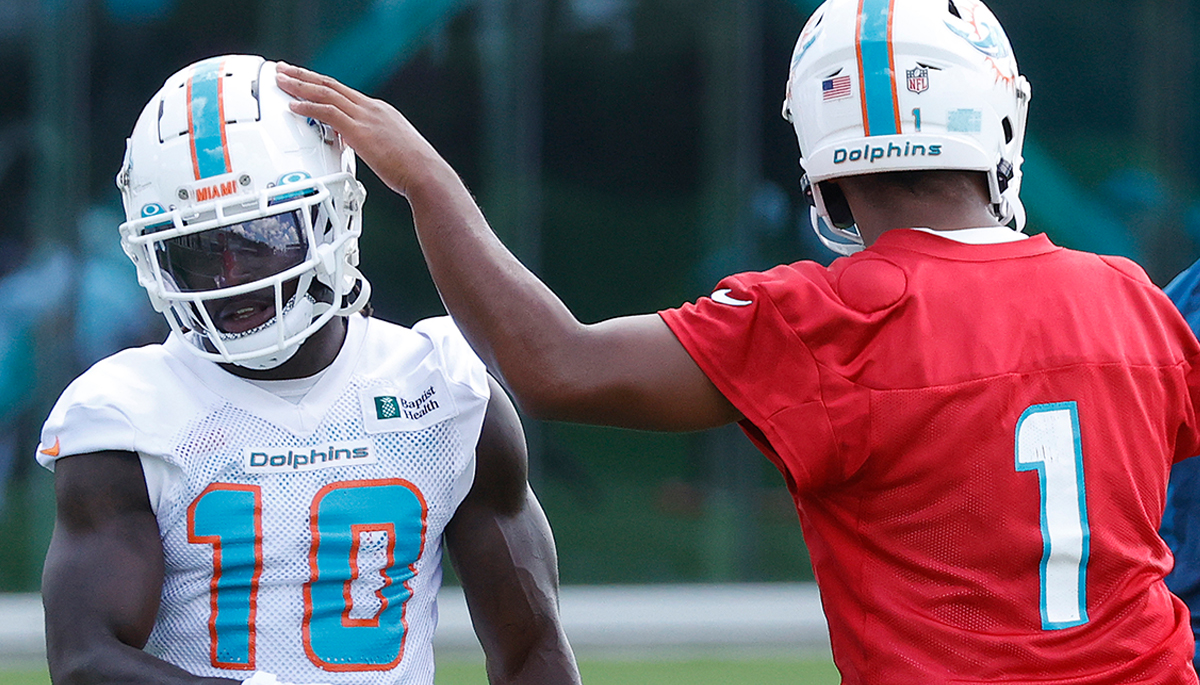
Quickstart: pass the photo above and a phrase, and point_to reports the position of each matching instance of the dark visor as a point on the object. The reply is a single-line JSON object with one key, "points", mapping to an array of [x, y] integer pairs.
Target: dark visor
{"points": [[232, 255]]}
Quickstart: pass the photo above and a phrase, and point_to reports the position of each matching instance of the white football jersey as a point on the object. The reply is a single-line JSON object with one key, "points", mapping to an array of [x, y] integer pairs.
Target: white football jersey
{"points": [[302, 538]]}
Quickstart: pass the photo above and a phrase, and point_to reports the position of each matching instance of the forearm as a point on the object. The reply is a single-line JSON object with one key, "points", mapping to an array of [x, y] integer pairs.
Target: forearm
{"points": [[628, 371], [509, 572], [110, 661], [550, 661], [100, 597]]}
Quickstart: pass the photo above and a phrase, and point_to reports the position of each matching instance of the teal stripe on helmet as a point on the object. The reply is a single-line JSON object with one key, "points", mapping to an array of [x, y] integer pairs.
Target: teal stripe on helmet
{"points": [[875, 62], [207, 130]]}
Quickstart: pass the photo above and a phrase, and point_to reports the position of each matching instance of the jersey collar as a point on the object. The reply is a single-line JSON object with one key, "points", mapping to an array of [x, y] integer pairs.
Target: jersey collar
{"points": [[301, 418], [988, 235], [936, 244]]}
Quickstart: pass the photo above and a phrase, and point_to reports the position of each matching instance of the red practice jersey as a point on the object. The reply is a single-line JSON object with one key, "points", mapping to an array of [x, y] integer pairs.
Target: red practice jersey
{"points": [[978, 440]]}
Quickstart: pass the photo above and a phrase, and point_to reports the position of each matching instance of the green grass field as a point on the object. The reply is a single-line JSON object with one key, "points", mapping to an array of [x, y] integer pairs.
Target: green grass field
{"points": [[692, 672]]}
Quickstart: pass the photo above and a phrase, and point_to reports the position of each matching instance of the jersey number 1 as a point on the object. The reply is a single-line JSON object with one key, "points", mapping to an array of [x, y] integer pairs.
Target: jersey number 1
{"points": [[1048, 442], [337, 636]]}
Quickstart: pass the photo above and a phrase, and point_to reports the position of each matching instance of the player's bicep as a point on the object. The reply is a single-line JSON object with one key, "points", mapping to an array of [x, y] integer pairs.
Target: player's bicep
{"points": [[639, 375], [104, 568]]}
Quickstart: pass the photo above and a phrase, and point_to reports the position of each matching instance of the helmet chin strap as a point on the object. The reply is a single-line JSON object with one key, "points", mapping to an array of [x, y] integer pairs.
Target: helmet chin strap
{"points": [[289, 321], [298, 313], [842, 241]]}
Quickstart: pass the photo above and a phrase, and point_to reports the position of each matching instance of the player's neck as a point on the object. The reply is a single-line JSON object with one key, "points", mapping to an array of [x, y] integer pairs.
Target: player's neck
{"points": [[877, 210], [949, 218], [314, 356]]}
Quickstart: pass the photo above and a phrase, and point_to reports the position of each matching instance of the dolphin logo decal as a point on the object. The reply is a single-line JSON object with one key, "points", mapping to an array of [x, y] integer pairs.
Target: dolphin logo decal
{"points": [[985, 38]]}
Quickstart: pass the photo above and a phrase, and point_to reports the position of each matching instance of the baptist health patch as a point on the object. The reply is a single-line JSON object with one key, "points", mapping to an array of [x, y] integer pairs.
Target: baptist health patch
{"points": [[420, 405], [288, 460]]}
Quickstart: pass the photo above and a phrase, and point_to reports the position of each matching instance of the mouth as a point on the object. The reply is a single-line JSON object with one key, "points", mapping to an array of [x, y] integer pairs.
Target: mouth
{"points": [[240, 314]]}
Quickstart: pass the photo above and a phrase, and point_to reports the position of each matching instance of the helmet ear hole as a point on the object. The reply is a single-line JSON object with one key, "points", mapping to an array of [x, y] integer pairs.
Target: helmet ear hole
{"points": [[1008, 130]]}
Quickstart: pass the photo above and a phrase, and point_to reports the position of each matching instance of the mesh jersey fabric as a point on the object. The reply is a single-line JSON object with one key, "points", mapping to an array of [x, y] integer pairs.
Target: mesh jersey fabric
{"points": [[299, 539], [935, 409]]}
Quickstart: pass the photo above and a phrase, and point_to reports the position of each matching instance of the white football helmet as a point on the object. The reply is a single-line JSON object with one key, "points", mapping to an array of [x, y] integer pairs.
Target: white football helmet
{"points": [[904, 85], [242, 217]]}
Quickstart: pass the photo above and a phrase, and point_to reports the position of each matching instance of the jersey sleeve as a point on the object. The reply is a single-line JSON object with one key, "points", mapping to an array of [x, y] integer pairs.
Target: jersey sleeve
{"points": [[78, 427], [458, 360], [468, 382], [116, 405], [746, 343]]}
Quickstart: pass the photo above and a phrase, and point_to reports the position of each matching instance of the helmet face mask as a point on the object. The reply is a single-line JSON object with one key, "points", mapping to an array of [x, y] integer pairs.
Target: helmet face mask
{"points": [[242, 217], [905, 85]]}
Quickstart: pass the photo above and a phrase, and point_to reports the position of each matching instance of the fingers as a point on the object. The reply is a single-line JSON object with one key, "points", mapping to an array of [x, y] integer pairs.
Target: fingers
{"points": [[379, 133], [318, 100], [319, 96], [311, 80], [312, 92]]}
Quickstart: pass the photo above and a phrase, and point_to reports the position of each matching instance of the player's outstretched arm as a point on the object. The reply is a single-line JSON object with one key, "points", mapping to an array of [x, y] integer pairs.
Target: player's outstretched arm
{"points": [[103, 576], [503, 551], [629, 371]]}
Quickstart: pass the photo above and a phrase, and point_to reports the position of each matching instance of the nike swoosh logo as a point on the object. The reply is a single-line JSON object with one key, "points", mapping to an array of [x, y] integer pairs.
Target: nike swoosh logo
{"points": [[723, 297], [51, 451]]}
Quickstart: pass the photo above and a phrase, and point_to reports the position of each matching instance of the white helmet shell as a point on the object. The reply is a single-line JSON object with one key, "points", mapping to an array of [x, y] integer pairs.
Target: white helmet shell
{"points": [[218, 148], [906, 85]]}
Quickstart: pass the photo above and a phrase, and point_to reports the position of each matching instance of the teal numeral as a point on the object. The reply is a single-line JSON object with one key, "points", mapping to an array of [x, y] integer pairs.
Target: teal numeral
{"points": [[1048, 442], [229, 517], [917, 116], [388, 517], [366, 539]]}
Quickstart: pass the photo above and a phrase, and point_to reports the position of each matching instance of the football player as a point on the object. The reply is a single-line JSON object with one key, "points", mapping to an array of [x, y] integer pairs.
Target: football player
{"points": [[976, 425], [1181, 524], [265, 496]]}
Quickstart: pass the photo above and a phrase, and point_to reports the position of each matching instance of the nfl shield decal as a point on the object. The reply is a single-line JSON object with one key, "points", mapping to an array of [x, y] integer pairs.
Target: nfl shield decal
{"points": [[918, 79]]}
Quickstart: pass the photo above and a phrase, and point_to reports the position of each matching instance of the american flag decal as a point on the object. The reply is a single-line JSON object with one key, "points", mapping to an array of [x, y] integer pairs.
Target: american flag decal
{"points": [[835, 88]]}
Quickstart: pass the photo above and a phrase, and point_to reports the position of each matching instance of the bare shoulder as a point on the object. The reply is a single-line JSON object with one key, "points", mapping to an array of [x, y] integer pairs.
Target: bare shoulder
{"points": [[502, 463]]}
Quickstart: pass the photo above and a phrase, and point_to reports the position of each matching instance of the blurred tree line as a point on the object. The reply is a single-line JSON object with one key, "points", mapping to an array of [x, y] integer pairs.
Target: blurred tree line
{"points": [[630, 151]]}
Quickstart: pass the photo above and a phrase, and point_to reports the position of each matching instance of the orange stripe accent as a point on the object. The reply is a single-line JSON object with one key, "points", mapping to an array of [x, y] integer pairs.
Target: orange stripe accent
{"points": [[221, 107], [51, 451], [356, 531], [192, 125], [306, 628], [215, 541], [192, 131], [862, 77]]}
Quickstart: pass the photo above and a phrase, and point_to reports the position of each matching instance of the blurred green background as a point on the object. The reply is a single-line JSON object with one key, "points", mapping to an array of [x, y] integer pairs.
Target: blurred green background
{"points": [[631, 152]]}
